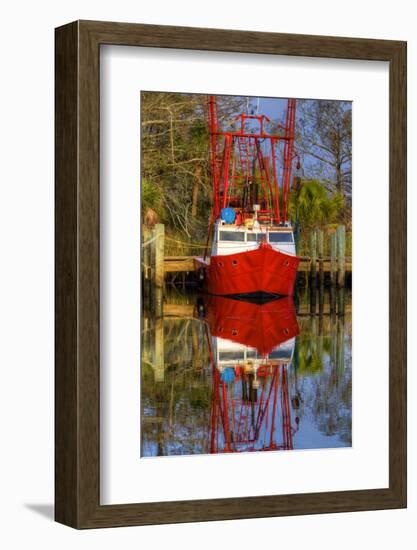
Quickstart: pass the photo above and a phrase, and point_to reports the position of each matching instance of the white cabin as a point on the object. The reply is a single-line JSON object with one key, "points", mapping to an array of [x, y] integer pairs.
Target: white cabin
{"points": [[232, 238], [232, 354], [228, 353]]}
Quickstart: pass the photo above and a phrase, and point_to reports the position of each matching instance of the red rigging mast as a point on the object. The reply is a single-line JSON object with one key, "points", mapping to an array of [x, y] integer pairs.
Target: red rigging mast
{"points": [[250, 408], [250, 166], [247, 418]]}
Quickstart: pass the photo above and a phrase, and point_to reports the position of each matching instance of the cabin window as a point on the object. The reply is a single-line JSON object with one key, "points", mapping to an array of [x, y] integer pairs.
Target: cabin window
{"points": [[256, 237], [284, 354], [280, 237], [231, 355], [232, 236]]}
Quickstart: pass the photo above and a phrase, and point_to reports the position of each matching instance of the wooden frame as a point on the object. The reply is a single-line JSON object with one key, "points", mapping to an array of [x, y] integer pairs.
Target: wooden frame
{"points": [[77, 274]]}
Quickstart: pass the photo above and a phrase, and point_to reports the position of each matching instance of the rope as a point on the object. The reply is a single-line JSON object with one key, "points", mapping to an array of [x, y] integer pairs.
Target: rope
{"points": [[150, 241], [188, 245]]}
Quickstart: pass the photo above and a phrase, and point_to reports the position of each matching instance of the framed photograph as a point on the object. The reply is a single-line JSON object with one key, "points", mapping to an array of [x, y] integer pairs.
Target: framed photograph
{"points": [[230, 274]]}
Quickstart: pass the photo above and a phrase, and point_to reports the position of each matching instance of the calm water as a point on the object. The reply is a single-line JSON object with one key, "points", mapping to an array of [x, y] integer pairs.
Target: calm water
{"points": [[221, 375]]}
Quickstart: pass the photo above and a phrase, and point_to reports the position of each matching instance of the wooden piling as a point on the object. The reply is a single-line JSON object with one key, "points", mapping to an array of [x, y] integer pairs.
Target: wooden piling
{"points": [[313, 299], [151, 277], [159, 359], [341, 301], [313, 272], [320, 250], [332, 300], [146, 266], [297, 235], [340, 348], [313, 335], [320, 340], [313, 257], [159, 244], [333, 340], [321, 298], [341, 250], [196, 361], [145, 253], [158, 301], [333, 258]]}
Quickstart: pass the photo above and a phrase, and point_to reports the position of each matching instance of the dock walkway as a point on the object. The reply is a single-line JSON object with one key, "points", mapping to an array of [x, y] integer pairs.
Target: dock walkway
{"points": [[181, 264]]}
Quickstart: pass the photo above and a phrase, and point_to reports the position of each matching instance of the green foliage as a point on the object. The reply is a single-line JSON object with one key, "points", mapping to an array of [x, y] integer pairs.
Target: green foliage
{"points": [[310, 361], [313, 206], [309, 356], [151, 198]]}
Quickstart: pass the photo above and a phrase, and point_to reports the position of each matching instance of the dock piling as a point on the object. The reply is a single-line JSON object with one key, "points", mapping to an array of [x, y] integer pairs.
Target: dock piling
{"points": [[313, 272], [159, 364], [320, 249], [159, 245], [333, 258], [341, 249], [313, 258]]}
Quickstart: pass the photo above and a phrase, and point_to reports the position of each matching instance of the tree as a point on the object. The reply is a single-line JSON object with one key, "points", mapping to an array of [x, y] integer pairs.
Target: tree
{"points": [[176, 180], [174, 141], [313, 206], [324, 139]]}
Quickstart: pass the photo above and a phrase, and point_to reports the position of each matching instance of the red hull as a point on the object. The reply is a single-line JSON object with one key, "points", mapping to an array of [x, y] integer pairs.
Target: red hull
{"points": [[263, 327], [261, 270]]}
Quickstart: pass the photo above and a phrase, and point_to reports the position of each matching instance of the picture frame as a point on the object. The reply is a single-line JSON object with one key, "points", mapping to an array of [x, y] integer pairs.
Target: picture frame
{"points": [[77, 293]]}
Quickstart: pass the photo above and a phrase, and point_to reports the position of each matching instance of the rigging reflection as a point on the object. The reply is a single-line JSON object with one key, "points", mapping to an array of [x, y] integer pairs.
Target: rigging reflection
{"points": [[251, 347]]}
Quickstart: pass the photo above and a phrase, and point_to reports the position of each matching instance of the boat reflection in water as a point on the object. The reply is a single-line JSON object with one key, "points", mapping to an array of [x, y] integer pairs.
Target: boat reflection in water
{"points": [[251, 347], [220, 375]]}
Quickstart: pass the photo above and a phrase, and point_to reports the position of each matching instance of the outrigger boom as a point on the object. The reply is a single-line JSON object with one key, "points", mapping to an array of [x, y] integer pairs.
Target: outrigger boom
{"points": [[243, 159]]}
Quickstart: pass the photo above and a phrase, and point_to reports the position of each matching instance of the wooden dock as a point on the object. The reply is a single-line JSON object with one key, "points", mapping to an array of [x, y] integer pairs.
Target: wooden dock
{"points": [[187, 311], [185, 264]]}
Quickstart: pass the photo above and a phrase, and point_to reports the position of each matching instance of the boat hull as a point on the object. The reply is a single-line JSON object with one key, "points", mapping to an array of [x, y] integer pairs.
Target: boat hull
{"points": [[263, 327], [263, 270]]}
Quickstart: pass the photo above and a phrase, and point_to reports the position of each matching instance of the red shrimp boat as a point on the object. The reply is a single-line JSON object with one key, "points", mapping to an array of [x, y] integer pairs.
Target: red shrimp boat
{"points": [[252, 239]]}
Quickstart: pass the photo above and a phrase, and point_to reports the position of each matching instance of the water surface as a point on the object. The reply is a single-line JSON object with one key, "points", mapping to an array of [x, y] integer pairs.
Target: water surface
{"points": [[221, 375]]}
